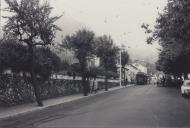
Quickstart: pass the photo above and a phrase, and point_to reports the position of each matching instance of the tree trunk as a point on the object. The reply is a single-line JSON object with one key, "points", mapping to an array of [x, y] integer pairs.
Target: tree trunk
{"points": [[33, 78], [83, 71], [124, 77], [74, 81], [106, 84], [106, 81], [85, 89]]}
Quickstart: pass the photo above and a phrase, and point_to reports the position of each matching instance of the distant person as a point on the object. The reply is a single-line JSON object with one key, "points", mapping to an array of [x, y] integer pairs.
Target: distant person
{"points": [[163, 81], [126, 82], [91, 85], [95, 85]]}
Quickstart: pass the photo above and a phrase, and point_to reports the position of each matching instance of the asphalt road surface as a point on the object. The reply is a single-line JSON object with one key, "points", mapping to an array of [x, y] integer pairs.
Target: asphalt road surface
{"points": [[139, 106]]}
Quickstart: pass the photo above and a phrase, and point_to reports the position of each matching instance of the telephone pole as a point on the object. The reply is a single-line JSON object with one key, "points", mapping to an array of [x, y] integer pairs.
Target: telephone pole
{"points": [[0, 21], [120, 69], [1, 31]]}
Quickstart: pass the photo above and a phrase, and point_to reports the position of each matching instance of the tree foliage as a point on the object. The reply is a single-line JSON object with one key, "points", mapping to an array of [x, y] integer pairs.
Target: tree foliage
{"points": [[173, 33], [46, 62], [31, 23], [15, 56], [82, 45], [107, 52]]}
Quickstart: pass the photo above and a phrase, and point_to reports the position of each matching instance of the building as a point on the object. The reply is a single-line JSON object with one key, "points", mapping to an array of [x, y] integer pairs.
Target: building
{"points": [[131, 72], [94, 62], [141, 67]]}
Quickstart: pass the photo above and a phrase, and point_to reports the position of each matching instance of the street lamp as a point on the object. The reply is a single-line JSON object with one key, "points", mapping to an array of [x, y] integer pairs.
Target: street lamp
{"points": [[120, 68], [121, 50], [0, 20]]}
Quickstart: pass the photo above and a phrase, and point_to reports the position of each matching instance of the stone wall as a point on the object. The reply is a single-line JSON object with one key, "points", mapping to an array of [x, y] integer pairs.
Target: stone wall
{"points": [[18, 90]]}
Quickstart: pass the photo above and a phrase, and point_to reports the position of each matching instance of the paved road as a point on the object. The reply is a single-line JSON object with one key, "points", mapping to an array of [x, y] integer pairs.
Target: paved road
{"points": [[140, 106]]}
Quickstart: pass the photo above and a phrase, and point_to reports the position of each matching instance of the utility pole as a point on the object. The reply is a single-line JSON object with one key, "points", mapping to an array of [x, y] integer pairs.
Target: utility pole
{"points": [[122, 49], [0, 21], [120, 69]]}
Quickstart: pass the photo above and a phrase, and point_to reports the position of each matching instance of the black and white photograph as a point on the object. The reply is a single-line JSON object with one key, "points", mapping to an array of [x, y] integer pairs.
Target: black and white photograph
{"points": [[94, 63]]}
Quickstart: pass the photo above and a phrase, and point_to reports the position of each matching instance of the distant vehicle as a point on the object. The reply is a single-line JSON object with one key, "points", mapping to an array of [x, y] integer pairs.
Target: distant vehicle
{"points": [[185, 88], [141, 78]]}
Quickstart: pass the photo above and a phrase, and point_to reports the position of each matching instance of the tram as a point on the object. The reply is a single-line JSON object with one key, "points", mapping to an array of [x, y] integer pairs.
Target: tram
{"points": [[141, 78]]}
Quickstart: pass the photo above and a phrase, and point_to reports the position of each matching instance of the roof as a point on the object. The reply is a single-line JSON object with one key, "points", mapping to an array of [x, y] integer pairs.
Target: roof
{"points": [[133, 67]]}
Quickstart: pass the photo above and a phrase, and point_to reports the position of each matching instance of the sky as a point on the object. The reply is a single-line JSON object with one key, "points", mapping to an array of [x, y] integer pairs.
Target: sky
{"points": [[121, 19]]}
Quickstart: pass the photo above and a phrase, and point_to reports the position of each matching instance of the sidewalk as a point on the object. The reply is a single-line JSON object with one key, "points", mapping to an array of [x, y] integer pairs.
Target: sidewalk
{"points": [[27, 108]]}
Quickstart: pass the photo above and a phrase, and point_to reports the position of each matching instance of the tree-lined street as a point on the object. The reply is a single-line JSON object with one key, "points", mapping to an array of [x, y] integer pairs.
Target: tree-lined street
{"points": [[43, 60], [139, 106]]}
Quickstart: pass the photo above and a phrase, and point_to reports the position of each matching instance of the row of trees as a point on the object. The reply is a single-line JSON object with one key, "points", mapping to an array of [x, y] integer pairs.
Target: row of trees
{"points": [[85, 46], [173, 33], [28, 35]]}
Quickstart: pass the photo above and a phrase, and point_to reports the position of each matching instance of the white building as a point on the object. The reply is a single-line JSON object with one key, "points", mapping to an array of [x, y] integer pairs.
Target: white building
{"points": [[94, 62], [141, 67], [131, 72]]}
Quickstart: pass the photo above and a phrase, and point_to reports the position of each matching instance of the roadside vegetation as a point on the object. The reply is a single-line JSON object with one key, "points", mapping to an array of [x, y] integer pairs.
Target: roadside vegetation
{"points": [[172, 32], [26, 51]]}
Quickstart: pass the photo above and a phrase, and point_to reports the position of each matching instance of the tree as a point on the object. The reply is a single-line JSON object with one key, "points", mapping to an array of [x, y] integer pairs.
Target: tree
{"points": [[46, 62], [31, 24], [14, 56], [124, 61], [82, 44], [173, 33], [95, 71], [107, 52]]}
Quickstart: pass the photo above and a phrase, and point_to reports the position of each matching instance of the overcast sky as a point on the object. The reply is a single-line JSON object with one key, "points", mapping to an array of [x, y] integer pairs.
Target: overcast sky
{"points": [[121, 19]]}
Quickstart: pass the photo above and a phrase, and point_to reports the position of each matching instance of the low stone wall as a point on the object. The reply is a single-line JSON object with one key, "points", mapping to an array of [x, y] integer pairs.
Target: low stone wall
{"points": [[101, 84], [14, 90], [17, 90]]}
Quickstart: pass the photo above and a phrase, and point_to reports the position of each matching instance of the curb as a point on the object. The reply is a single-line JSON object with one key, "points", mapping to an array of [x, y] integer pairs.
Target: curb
{"points": [[36, 109]]}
